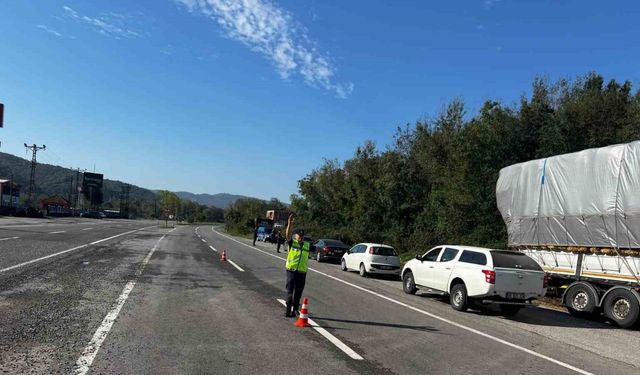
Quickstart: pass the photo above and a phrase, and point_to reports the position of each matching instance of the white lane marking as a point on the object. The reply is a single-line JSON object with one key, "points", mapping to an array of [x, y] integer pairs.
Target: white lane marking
{"points": [[57, 232], [9, 238], [120, 235], [91, 350], [334, 340], [203, 240], [43, 258], [434, 316], [87, 228], [235, 265], [213, 248], [68, 250]]}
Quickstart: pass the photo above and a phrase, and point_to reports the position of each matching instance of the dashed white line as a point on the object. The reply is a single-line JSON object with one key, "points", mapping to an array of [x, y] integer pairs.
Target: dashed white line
{"points": [[119, 235], [68, 250], [87, 228], [235, 265], [213, 248], [203, 240], [58, 232], [431, 315], [91, 350], [9, 238], [334, 340]]}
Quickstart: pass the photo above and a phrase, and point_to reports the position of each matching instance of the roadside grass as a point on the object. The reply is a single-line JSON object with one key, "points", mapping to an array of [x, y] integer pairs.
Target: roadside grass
{"points": [[236, 233]]}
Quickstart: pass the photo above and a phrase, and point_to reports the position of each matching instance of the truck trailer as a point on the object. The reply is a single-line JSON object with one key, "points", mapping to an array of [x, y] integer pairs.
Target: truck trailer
{"points": [[578, 216]]}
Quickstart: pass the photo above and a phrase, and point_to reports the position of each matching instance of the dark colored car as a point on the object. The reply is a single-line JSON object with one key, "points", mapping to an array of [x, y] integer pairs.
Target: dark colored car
{"points": [[91, 214], [29, 212], [326, 249]]}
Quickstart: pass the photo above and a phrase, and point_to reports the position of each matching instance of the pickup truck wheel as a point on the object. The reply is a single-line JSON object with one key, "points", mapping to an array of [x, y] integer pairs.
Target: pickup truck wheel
{"points": [[580, 300], [363, 271], [459, 299], [622, 307], [408, 284], [509, 310], [343, 265]]}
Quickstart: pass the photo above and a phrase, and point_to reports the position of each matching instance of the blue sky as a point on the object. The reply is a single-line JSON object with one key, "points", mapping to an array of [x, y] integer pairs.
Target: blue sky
{"points": [[248, 96]]}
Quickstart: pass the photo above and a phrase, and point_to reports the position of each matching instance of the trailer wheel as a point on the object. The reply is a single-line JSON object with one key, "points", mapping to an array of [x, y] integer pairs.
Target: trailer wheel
{"points": [[622, 307], [580, 300]]}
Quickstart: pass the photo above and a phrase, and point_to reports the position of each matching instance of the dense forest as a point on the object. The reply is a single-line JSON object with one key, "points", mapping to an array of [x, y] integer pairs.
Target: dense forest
{"points": [[239, 217], [436, 183]]}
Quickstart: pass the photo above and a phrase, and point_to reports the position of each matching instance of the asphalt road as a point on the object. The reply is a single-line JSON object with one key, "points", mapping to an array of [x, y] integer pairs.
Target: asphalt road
{"points": [[160, 301]]}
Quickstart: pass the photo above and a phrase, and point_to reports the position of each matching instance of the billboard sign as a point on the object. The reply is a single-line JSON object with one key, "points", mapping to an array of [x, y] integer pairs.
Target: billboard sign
{"points": [[92, 180]]}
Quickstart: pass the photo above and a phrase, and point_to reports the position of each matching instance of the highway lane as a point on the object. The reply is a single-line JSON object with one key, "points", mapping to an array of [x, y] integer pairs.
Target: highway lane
{"points": [[186, 312], [404, 340], [192, 314], [50, 310], [23, 243]]}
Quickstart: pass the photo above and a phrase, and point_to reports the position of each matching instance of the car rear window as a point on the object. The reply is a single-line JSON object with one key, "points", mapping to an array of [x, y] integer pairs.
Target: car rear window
{"points": [[333, 243], [384, 251], [512, 259], [473, 257]]}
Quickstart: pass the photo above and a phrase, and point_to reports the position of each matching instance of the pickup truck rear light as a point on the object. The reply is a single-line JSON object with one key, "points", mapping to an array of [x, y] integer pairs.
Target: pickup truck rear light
{"points": [[489, 276]]}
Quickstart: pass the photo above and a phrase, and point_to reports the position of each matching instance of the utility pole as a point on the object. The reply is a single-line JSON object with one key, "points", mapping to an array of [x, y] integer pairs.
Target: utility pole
{"points": [[77, 192], [70, 190], [124, 201], [32, 180]]}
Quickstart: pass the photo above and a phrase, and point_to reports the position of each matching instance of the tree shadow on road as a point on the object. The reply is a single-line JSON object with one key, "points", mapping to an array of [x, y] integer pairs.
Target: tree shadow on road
{"points": [[533, 315], [376, 324]]}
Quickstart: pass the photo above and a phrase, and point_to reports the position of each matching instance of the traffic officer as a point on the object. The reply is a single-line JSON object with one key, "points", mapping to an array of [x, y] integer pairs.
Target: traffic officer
{"points": [[255, 231], [297, 260]]}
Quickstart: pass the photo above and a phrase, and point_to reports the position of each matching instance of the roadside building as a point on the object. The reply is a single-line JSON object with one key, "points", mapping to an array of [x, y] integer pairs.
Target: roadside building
{"points": [[9, 196], [56, 206]]}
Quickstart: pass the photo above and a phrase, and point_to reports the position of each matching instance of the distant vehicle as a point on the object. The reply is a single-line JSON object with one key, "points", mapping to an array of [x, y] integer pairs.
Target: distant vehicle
{"points": [[91, 214], [474, 274], [326, 249], [263, 233], [111, 213], [372, 258], [29, 212]]}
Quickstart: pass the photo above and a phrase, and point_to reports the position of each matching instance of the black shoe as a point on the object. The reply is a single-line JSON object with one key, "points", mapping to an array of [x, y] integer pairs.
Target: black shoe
{"points": [[288, 314]]}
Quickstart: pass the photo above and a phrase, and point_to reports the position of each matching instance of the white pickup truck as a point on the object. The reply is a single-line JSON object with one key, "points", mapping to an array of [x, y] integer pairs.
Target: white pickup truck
{"points": [[472, 274]]}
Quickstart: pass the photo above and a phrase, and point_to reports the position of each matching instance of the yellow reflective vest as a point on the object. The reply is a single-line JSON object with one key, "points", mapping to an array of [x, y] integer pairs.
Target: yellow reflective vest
{"points": [[298, 256]]}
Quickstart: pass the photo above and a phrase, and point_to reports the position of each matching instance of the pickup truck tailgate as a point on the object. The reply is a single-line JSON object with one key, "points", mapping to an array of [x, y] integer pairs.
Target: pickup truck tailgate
{"points": [[511, 280]]}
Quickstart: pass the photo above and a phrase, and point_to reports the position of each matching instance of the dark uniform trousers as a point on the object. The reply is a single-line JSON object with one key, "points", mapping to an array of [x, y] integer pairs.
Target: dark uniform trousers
{"points": [[295, 286]]}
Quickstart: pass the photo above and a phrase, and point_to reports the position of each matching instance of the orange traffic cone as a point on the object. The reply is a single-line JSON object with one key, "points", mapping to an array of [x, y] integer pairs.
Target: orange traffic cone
{"points": [[223, 258], [303, 318]]}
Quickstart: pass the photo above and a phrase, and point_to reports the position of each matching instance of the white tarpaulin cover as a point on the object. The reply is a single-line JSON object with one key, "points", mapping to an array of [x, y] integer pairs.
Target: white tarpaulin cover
{"points": [[587, 198]]}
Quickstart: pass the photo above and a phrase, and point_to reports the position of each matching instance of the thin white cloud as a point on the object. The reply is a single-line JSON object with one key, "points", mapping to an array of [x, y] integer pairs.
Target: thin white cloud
{"points": [[111, 24], [270, 30], [49, 30], [490, 3]]}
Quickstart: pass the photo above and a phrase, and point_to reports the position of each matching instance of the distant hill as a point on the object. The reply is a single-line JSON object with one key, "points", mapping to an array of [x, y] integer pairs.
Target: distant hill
{"points": [[221, 200], [56, 180]]}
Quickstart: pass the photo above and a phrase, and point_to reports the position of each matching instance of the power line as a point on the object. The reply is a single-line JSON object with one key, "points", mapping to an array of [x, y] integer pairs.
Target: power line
{"points": [[32, 180]]}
